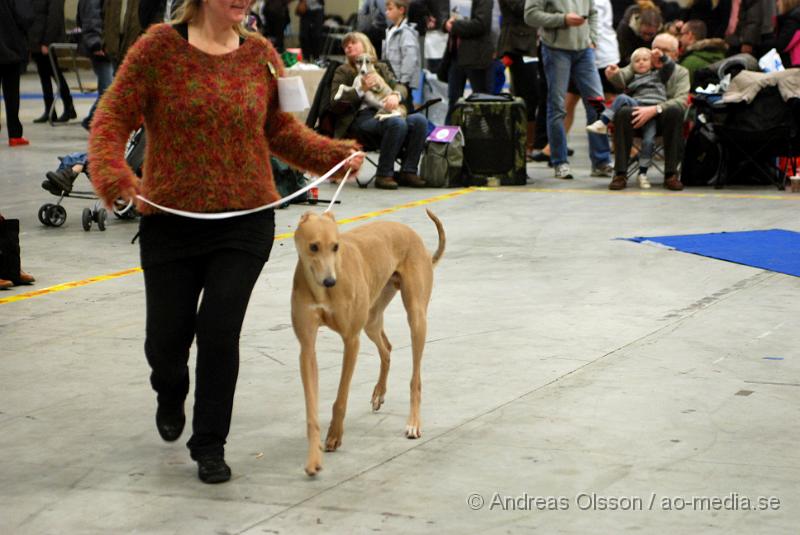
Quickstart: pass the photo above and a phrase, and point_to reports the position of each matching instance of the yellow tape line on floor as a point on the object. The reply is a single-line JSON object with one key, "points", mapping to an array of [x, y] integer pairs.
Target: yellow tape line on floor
{"points": [[640, 193], [126, 272]]}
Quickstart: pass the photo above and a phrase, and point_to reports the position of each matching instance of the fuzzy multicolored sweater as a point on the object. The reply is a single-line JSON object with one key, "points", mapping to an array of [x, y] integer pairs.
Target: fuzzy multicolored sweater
{"points": [[211, 122]]}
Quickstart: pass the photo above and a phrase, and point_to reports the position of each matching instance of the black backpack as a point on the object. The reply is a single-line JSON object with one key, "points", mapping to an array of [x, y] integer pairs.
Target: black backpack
{"points": [[702, 158]]}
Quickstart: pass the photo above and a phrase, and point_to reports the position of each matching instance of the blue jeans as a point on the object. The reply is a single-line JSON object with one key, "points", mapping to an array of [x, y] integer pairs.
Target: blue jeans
{"points": [[392, 134], [104, 71], [648, 129], [559, 65]]}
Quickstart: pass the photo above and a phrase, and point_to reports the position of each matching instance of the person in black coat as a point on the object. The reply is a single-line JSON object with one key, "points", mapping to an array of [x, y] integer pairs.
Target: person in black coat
{"points": [[48, 28], [470, 49], [275, 14], [15, 18]]}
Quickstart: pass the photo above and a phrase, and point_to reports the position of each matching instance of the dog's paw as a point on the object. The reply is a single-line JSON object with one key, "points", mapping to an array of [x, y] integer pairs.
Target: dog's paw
{"points": [[312, 469], [314, 463], [377, 397], [333, 440], [413, 431]]}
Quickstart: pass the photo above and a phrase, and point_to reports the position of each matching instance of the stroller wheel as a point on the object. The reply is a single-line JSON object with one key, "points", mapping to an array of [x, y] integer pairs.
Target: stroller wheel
{"points": [[86, 219], [56, 215], [43, 214], [102, 214]]}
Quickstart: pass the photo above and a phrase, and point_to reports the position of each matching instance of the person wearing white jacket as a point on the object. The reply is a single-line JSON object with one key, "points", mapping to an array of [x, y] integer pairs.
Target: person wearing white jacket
{"points": [[606, 50], [401, 46]]}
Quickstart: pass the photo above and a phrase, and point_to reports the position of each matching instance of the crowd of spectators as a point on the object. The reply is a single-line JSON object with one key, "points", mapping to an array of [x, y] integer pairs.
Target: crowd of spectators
{"points": [[557, 54]]}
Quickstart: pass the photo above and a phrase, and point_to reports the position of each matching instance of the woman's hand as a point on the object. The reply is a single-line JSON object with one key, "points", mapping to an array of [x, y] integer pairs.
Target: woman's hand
{"points": [[391, 102], [368, 81], [355, 163]]}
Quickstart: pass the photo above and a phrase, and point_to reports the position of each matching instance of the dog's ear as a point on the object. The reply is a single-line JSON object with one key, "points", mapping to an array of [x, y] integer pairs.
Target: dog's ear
{"points": [[304, 217], [329, 215]]}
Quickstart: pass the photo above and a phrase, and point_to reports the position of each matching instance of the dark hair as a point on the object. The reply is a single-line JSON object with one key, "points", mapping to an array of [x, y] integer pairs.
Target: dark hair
{"points": [[696, 27]]}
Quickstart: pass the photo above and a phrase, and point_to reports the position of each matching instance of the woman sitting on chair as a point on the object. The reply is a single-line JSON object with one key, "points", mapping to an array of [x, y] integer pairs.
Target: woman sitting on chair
{"points": [[357, 120]]}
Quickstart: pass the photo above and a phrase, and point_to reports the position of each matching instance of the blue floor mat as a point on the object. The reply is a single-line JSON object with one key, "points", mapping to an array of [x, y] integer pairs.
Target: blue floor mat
{"points": [[775, 250]]}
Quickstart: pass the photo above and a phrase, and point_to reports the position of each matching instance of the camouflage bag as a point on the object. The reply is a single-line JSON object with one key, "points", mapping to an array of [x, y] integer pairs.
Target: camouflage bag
{"points": [[495, 129], [443, 158]]}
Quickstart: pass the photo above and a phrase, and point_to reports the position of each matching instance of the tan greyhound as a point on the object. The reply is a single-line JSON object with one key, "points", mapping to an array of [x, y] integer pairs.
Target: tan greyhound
{"points": [[345, 281]]}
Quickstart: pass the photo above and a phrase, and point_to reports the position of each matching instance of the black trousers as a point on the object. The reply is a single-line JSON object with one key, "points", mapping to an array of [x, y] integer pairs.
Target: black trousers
{"points": [[669, 127], [226, 278], [311, 33], [525, 79], [9, 80], [45, 75]]}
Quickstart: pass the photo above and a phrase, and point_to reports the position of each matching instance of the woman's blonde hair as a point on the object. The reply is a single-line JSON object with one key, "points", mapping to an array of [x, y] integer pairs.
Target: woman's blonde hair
{"points": [[788, 5], [639, 52], [189, 9], [365, 43]]}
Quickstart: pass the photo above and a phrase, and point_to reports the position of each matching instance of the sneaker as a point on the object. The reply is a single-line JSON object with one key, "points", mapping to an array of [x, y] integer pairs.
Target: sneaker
{"points": [[673, 183], [597, 127], [18, 141], [213, 470], [603, 170], [643, 182], [618, 182], [562, 171], [385, 182]]}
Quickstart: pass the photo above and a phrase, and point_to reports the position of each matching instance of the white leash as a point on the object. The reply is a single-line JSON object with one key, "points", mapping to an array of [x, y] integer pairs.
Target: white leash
{"points": [[335, 195], [236, 213]]}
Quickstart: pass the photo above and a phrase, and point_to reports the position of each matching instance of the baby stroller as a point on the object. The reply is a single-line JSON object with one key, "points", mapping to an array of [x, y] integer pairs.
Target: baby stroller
{"points": [[59, 183]]}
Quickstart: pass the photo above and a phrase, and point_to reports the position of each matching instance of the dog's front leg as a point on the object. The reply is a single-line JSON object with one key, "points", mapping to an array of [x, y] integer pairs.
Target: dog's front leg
{"points": [[335, 431], [310, 375]]}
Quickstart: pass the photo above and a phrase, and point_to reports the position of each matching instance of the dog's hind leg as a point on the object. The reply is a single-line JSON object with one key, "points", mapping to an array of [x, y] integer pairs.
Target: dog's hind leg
{"points": [[415, 290], [335, 431], [375, 332]]}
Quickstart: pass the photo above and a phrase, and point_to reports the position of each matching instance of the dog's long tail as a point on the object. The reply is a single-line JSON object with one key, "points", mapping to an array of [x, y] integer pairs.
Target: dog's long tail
{"points": [[442, 239]]}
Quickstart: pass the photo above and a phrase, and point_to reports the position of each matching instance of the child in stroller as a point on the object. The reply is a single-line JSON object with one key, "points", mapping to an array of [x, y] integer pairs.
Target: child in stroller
{"points": [[60, 183]]}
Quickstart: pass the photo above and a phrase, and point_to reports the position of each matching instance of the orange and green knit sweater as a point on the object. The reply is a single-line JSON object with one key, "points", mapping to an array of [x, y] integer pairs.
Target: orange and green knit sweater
{"points": [[211, 122]]}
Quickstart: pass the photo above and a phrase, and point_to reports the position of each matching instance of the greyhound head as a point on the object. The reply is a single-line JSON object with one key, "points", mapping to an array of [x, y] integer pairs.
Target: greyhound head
{"points": [[364, 64], [317, 242]]}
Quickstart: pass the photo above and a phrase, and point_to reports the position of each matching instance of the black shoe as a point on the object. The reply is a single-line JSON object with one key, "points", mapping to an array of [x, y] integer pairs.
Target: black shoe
{"points": [[68, 114], [43, 117], [570, 152], [213, 470], [63, 178], [538, 156], [53, 188], [170, 422]]}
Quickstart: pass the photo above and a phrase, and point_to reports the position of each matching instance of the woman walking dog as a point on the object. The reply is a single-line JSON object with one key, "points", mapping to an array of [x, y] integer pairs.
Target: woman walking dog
{"points": [[207, 90]]}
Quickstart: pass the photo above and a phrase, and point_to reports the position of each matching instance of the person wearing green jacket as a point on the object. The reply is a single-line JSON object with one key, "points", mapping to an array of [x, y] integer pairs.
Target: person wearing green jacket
{"points": [[698, 52]]}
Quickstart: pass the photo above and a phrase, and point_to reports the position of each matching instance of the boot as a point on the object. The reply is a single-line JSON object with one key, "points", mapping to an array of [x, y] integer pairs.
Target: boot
{"points": [[385, 182], [43, 117], [69, 113], [63, 178], [26, 278], [411, 179], [9, 250]]}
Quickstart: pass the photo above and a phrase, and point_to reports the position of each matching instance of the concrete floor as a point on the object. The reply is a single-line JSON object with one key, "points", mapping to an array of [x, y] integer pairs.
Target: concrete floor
{"points": [[561, 364]]}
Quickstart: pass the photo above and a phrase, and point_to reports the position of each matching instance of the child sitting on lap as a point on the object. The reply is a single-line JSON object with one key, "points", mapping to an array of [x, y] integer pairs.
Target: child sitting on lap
{"points": [[646, 89]]}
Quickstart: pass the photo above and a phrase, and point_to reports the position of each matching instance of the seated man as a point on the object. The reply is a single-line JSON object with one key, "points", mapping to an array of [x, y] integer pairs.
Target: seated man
{"points": [[697, 51], [357, 119], [668, 116]]}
